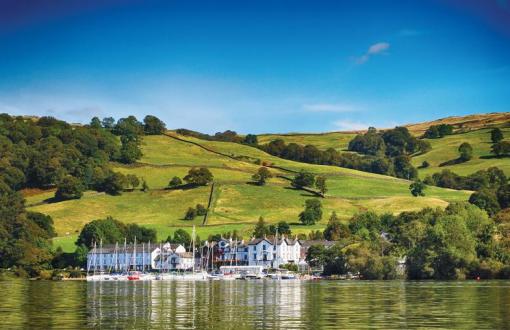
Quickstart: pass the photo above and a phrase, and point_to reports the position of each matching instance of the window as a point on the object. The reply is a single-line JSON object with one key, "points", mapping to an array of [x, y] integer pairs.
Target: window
{"points": [[264, 247], [254, 256]]}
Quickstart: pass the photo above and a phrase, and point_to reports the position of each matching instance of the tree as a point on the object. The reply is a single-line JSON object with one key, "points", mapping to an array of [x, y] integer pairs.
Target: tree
{"points": [[95, 123], [282, 227], [251, 139], [320, 184], [465, 151], [153, 125], [261, 176], [130, 152], [108, 122], [501, 149], [503, 194], [45, 222], [417, 188], [425, 164], [114, 183], [403, 168], [132, 181], [260, 229], [199, 176], [175, 182], [201, 210], [181, 236], [303, 179], [69, 188], [108, 230], [486, 200], [496, 135], [336, 230], [312, 212], [191, 213]]}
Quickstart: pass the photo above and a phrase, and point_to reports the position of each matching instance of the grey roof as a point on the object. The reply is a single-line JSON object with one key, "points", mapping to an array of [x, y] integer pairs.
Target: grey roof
{"points": [[110, 248], [307, 244]]}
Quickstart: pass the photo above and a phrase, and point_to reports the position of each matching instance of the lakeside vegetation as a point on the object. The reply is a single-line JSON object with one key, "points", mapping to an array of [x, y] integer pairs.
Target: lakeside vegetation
{"points": [[248, 183]]}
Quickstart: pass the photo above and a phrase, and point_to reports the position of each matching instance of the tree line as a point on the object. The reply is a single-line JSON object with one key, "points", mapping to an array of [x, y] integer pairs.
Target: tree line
{"points": [[459, 242]]}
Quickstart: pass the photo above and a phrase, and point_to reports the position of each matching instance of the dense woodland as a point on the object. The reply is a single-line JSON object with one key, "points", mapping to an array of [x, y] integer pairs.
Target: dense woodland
{"points": [[46, 153]]}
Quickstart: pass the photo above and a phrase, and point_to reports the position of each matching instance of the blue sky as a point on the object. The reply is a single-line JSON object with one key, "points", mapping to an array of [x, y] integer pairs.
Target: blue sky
{"points": [[256, 66]]}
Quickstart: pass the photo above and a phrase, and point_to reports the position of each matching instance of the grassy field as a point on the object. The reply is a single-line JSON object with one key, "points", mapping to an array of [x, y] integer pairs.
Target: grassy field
{"points": [[446, 149], [236, 204], [336, 140]]}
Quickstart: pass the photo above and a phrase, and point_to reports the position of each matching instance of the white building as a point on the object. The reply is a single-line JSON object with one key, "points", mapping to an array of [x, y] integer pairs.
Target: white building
{"points": [[117, 258], [235, 252], [120, 258]]}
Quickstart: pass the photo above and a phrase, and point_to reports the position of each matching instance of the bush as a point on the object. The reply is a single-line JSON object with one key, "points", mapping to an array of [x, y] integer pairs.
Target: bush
{"points": [[175, 182], [69, 188], [191, 213]]}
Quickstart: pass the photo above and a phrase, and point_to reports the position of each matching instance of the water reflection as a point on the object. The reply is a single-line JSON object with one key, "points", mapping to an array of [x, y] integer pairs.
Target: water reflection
{"points": [[257, 304]]}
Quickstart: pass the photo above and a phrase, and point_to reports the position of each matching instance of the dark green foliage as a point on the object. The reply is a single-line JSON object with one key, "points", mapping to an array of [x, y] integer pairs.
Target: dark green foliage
{"points": [[496, 135], [303, 179], [261, 176], [465, 151], [132, 181], [114, 183], [417, 188], [111, 231], [201, 210], [69, 188], [312, 212], [45, 222], [370, 143], [191, 213], [282, 227], [504, 196], [129, 152], [425, 164], [129, 128], [491, 178], [175, 182], [108, 122], [260, 229], [152, 125], [95, 123], [142, 234], [181, 236], [335, 229], [199, 176], [501, 149], [486, 200], [320, 184], [438, 131], [403, 168], [251, 139]]}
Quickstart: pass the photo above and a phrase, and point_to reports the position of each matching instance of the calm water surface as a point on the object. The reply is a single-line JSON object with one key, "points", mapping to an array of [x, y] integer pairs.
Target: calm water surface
{"points": [[248, 305]]}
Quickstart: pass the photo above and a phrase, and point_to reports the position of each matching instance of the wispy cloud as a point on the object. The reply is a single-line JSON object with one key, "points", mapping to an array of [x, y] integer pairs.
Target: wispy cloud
{"points": [[349, 125], [375, 49], [330, 107]]}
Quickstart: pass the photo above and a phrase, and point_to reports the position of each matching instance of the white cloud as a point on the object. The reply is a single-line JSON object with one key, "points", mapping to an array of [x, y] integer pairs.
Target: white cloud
{"points": [[375, 49], [348, 125], [378, 48], [329, 107]]}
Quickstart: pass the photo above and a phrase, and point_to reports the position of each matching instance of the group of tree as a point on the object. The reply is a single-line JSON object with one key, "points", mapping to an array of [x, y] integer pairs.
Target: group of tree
{"points": [[262, 230], [499, 147], [308, 180], [459, 242], [491, 187], [193, 212], [226, 136], [438, 131], [198, 176]]}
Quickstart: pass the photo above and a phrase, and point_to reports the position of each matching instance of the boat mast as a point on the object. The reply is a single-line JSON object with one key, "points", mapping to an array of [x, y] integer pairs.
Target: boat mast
{"points": [[134, 255], [125, 255], [101, 255], [193, 249], [150, 256]]}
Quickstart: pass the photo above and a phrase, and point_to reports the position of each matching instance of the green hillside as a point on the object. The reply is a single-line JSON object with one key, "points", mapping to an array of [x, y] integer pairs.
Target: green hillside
{"points": [[446, 149], [236, 204], [336, 140]]}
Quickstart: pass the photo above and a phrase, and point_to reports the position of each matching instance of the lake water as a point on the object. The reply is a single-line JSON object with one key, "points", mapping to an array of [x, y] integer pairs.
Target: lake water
{"points": [[255, 304]]}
